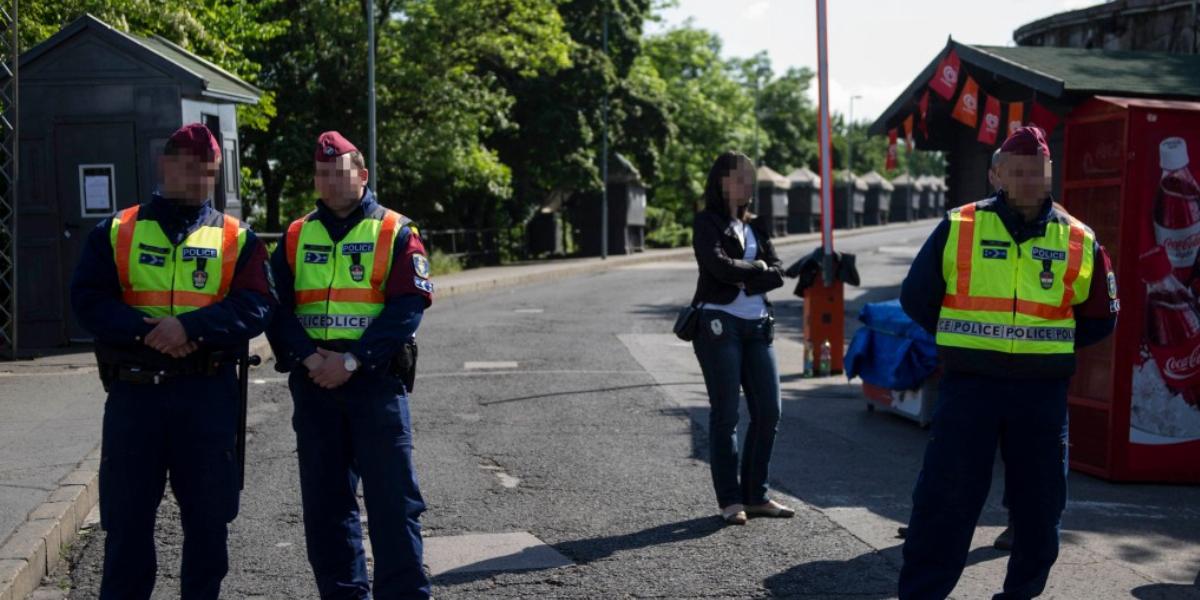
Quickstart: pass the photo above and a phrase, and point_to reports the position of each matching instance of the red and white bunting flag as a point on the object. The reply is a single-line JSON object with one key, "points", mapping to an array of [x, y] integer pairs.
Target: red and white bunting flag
{"points": [[1044, 118], [990, 128], [945, 79], [1016, 116], [966, 111], [908, 138]]}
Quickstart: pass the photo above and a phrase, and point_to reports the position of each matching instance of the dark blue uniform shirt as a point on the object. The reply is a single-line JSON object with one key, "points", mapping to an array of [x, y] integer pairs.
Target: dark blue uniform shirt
{"points": [[924, 288], [96, 287], [387, 333]]}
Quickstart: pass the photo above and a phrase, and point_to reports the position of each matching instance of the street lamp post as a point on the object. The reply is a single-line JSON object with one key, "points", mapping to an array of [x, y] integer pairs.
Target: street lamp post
{"points": [[370, 6], [604, 153], [850, 159]]}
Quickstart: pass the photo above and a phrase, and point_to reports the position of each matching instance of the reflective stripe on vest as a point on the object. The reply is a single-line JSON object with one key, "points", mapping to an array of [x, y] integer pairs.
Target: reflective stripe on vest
{"points": [[1009, 297], [340, 286], [157, 280]]}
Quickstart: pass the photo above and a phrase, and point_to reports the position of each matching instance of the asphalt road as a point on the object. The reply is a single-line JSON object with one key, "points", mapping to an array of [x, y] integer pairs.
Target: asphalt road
{"points": [[595, 443]]}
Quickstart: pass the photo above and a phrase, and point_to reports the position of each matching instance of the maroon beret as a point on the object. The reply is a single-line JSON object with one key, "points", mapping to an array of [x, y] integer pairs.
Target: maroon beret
{"points": [[195, 139], [331, 145], [1026, 141]]}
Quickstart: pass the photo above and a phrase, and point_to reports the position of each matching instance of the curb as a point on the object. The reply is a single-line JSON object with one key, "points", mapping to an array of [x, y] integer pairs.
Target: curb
{"points": [[502, 280], [34, 550]]}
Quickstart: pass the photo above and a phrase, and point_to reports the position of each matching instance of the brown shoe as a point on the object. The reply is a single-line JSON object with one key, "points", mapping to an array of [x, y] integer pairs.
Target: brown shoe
{"points": [[734, 514], [771, 509]]}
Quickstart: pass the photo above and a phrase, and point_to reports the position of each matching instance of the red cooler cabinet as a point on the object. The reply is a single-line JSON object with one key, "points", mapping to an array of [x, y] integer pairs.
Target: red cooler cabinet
{"points": [[1129, 173]]}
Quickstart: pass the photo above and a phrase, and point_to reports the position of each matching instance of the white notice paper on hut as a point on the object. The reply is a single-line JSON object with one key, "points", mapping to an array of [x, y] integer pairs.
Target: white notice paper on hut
{"points": [[97, 193]]}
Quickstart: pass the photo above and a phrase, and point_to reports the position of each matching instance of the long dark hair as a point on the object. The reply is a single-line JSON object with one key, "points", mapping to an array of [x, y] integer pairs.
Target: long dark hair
{"points": [[714, 193]]}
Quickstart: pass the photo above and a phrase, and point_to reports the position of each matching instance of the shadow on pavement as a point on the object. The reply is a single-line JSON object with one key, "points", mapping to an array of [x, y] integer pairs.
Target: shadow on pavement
{"points": [[865, 577], [587, 550]]}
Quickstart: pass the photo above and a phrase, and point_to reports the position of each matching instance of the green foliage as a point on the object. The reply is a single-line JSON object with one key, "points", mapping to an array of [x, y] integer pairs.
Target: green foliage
{"points": [[490, 108], [710, 111], [664, 231], [441, 263], [225, 32]]}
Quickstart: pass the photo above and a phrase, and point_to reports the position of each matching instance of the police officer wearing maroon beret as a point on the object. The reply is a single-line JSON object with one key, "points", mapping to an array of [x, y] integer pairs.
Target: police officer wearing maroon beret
{"points": [[172, 290], [1011, 286], [353, 282]]}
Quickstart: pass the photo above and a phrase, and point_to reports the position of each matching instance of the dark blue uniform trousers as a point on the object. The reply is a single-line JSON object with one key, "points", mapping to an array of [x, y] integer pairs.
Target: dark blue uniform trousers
{"points": [[1027, 419], [361, 429], [183, 430]]}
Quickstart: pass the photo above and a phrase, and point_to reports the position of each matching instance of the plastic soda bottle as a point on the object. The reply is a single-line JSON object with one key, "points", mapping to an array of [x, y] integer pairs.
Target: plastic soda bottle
{"points": [[826, 359]]}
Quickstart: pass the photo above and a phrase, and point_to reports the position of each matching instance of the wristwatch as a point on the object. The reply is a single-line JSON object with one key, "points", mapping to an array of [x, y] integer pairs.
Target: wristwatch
{"points": [[349, 362]]}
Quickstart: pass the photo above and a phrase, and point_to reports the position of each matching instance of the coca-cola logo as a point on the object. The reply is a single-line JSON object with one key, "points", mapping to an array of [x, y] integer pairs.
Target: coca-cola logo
{"points": [[1102, 159], [1181, 245], [949, 75], [969, 102], [1179, 368]]}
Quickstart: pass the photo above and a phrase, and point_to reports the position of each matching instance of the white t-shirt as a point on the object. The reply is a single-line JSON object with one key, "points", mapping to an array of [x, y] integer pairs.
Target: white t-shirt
{"points": [[746, 307]]}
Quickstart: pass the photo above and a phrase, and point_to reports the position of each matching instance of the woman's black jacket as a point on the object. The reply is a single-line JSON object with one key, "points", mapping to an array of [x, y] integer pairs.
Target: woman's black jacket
{"points": [[719, 255]]}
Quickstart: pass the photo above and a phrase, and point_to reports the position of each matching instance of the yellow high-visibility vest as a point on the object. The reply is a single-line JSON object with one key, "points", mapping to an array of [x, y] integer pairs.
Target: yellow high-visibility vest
{"points": [[1008, 297], [162, 279], [340, 286]]}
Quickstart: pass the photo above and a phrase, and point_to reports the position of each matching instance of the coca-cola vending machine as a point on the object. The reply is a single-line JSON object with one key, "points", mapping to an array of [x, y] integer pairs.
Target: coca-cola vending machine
{"points": [[1129, 173]]}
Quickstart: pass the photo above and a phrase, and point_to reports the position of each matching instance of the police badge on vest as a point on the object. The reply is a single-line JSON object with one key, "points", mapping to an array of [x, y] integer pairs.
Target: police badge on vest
{"points": [[355, 252], [201, 256]]}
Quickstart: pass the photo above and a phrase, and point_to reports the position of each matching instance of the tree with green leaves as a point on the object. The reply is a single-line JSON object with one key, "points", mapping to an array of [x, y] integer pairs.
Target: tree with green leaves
{"points": [[710, 112]]}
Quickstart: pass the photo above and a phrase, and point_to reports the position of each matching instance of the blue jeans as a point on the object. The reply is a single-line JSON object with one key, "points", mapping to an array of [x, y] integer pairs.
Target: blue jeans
{"points": [[737, 355], [184, 432], [1027, 419], [361, 429]]}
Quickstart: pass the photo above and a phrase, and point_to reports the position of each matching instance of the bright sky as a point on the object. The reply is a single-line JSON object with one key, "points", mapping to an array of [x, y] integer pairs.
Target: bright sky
{"points": [[876, 47]]}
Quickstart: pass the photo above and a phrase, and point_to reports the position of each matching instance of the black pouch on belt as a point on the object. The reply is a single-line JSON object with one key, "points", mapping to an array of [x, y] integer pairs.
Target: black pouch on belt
{"points": [[404, 366]]}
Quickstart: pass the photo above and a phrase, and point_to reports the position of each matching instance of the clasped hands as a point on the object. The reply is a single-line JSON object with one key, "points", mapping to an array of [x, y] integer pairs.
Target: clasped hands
{"points": [[169, 337], [761, 265], [327, 369]]}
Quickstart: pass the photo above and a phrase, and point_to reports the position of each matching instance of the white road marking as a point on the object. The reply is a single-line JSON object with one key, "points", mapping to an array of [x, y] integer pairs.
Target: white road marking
{"points": [[79, 371], [490, 552], [489, 365], [529, 311]]}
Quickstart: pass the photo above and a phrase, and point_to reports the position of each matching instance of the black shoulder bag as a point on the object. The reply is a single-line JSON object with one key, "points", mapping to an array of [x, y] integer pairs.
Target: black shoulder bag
{"points": [[686, 323]]}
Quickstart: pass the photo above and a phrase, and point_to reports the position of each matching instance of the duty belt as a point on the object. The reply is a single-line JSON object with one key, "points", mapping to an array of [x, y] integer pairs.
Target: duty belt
{"points": [[204, 364]]}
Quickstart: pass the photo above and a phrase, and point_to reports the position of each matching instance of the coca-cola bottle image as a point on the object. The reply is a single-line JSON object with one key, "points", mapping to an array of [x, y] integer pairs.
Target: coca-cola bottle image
{"points": [[1177, 209], [1172, 324]]}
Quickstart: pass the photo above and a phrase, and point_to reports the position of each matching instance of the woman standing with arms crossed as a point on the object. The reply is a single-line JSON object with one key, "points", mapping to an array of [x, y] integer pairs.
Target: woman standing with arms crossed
{"points": [[734, 336]]}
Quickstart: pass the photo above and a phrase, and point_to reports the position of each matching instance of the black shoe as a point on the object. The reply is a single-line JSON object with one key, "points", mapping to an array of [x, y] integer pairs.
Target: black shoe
{"points": [[901, 532], [1004, 541]]}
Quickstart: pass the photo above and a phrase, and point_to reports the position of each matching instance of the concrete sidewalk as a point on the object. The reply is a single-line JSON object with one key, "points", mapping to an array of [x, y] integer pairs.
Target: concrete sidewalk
{"points": [[51, 410]]}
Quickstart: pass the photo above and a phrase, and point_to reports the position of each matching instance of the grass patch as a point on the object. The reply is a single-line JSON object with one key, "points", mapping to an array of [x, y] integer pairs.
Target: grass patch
{"points": [[442, 264]]}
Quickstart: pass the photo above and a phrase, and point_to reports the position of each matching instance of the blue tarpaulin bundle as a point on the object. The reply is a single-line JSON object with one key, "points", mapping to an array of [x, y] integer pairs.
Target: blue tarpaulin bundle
{"points": [[891, 350]]}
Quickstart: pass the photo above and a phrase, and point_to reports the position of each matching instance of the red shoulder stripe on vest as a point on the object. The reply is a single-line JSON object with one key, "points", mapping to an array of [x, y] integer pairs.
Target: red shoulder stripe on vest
{"points": [[124, 247]]}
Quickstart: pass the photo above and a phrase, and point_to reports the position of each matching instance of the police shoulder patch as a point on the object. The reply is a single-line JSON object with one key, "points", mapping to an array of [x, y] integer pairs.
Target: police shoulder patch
{"points": [[424, 285], [1111, 280], [421, 266]]}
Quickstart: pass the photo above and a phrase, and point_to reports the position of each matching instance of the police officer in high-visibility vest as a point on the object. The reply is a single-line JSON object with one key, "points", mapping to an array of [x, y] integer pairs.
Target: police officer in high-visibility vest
{"points": [[353, 283], [172, 290], [1011, 286]]}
